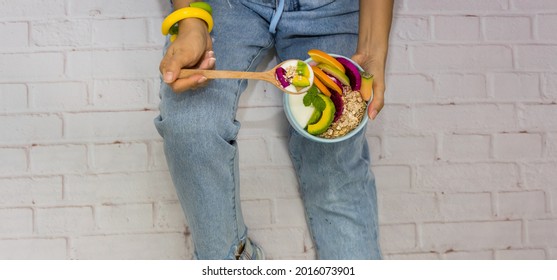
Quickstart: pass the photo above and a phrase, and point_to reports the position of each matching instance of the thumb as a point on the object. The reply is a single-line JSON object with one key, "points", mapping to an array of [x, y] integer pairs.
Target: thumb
{"points": [[377, 102], [171, 64], [169, 68]]}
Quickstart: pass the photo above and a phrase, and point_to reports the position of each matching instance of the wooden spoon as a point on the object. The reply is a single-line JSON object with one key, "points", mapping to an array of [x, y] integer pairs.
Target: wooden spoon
{"points": [[268, 76]]}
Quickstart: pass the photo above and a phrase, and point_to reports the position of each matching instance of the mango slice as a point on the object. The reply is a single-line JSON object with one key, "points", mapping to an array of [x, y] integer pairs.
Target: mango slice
{"points": [[322, 57], [366, 87], [326, 80], [322, 88]]}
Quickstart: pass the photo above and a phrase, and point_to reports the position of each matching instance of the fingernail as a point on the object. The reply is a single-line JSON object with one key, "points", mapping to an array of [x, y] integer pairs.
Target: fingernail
{"points": [[167, 77], [373, 114], [210, 53], [202, 80], [212, 61]]}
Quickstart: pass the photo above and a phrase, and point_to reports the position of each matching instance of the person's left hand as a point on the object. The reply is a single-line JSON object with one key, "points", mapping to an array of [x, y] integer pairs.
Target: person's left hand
{"points": [[376, 67]]}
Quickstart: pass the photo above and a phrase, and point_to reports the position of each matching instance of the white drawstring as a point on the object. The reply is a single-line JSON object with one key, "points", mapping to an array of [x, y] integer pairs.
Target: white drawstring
{"points": [[276, 17]]}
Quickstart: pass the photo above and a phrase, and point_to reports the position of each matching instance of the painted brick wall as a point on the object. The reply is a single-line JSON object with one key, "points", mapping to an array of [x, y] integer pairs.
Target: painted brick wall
{"points": [[465, 151]]}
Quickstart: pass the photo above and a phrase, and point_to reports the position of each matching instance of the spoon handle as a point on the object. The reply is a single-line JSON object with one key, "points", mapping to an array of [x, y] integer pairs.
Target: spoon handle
{"points": [[225, 74]]}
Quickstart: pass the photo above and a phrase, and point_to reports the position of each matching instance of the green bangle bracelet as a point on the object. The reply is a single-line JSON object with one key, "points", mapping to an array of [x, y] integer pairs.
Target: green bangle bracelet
{"points": [[202, 5]]}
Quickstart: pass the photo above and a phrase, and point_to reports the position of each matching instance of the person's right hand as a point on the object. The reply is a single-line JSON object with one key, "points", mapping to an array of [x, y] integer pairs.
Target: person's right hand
{"points": [[191, 49]]}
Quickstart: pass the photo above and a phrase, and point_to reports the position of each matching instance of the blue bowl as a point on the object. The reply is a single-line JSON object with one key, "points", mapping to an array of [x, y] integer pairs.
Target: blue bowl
{"points": [[299, 129]]}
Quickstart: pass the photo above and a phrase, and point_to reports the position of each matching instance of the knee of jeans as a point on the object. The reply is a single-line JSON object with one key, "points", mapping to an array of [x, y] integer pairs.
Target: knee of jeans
{"points": [[196, 128]]}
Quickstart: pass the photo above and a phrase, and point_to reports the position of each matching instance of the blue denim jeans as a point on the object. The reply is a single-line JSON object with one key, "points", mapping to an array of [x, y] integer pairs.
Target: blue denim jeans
{"points": [[199, 129]]}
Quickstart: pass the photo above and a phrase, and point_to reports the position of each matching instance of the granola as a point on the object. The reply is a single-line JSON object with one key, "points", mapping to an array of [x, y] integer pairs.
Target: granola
{"points": [[354, 111]]}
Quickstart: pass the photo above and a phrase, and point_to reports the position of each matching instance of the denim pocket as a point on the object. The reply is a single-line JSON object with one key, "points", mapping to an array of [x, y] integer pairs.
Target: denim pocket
{"points": [[308, 5]]}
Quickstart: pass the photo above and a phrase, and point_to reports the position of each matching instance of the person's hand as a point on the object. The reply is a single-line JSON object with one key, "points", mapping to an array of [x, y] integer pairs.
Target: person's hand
{"points": [[376, 67], [191, 49]]}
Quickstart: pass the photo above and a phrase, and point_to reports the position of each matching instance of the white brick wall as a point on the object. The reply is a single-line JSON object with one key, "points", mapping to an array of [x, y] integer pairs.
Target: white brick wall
{"points": [[465, 151]]}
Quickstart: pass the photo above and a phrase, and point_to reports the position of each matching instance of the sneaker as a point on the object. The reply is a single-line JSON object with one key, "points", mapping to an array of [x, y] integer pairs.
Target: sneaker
{"points": [[251, 251]]}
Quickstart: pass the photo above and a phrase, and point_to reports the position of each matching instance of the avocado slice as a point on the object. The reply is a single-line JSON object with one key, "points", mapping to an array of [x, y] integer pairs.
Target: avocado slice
{"points": [[300, 81], [315, 117], [326, 119], [302, 69]]}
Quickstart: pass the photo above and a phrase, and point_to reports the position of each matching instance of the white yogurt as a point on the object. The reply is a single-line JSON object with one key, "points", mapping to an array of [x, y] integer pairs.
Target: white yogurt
{"points": [[294, 63], [299, 111]]}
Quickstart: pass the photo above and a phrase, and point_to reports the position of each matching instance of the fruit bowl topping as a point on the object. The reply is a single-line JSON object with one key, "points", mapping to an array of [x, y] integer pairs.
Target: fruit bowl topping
{"points": [[336, 103], [294, 76]]}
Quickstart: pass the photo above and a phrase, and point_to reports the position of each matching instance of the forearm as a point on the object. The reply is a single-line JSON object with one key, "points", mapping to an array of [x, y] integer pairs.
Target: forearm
{"points": [[374, 28]]}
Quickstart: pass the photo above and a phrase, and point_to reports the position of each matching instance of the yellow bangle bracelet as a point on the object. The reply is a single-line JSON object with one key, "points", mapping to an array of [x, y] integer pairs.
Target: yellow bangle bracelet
{"points": [[183, 13]]}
